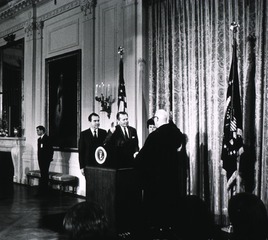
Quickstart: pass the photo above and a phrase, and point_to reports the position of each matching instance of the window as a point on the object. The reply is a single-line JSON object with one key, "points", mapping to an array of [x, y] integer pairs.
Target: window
{"points": [[11, 77]]}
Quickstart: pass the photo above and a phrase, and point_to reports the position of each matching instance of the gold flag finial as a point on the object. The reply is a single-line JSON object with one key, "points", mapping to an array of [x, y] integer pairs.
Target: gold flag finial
{"points": [[234, 26], [121, 51]]}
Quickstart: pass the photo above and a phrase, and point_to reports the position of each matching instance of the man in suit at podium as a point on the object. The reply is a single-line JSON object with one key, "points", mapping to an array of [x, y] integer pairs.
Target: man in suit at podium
{"points": [[89, 141], [45, 156], [122, 142]]}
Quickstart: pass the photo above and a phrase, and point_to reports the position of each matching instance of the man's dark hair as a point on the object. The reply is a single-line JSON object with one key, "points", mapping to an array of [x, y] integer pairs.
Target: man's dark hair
{"points": [[42, 128], [91, 115], [120, 113]]}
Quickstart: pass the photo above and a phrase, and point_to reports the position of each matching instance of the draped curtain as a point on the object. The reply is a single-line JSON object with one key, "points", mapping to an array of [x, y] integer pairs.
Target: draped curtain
{"points": [[189, 60]]}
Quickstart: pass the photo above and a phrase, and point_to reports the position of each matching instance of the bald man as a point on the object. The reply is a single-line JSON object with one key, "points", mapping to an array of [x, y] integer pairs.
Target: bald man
{"points": [[159, 166]]}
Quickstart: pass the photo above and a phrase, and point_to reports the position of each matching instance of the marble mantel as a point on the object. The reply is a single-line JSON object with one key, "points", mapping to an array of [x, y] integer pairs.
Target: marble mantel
{"points": [[14, 145], [7, 143]]}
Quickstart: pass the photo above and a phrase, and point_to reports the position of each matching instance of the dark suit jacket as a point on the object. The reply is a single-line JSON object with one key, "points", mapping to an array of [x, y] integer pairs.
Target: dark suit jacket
{"points": [[44, 149], [88, 145], [120, 149]]}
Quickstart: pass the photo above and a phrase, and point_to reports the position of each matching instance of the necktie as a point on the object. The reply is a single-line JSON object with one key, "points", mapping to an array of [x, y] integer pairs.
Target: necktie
{"points": [[125, 132], [95, 134]]}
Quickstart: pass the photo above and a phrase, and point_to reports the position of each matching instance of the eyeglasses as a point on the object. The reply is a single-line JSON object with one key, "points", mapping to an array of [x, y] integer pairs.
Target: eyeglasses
{"points": [[155, 117]]}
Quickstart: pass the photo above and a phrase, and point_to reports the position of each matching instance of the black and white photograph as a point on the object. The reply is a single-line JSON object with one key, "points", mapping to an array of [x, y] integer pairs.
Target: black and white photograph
{"points": [[133, 119]]}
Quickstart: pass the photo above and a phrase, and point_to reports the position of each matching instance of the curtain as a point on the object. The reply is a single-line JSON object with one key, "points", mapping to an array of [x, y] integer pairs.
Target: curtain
{"points": [[189, 60]]}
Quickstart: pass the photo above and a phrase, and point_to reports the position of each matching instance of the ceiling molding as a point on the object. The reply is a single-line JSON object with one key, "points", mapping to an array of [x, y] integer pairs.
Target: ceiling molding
{"points": [[16, 6], [42, 18]]}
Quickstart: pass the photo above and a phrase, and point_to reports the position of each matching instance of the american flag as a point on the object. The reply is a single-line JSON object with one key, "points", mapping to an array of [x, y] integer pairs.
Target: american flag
{"points": [[122, 100], [232, 145]]}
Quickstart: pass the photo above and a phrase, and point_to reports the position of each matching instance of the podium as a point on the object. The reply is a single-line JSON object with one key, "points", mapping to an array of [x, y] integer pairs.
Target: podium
{"points": [[117, 192]]}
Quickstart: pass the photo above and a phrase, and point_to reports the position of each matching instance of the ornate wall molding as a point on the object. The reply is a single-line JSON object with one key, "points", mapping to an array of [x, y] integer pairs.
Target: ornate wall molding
{"points": [[13, 29], [28, 28], [87, 6], [32, 25], [65, 8], [15, 7], [40, 20]]}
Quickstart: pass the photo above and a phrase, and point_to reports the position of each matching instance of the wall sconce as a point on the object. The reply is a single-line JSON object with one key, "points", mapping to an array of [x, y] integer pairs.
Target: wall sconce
{"points": [[103, 94]]}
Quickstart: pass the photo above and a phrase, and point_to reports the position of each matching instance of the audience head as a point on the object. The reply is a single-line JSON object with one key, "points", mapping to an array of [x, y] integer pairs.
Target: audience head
{"points": [[150, 125], [122, 119], [86, 220], [195, 219], [161, 117], [248, 216], [94, 120]]}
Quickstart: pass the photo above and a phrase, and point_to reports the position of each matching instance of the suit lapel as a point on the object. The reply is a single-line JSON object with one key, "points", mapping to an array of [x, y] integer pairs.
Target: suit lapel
{"points": [[120, 131], [129, 133], [39, 142], [90, 136]]}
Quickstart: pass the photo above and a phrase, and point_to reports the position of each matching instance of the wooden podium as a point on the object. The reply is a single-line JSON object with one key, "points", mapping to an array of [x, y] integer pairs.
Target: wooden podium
{"points": [[117, 191]]}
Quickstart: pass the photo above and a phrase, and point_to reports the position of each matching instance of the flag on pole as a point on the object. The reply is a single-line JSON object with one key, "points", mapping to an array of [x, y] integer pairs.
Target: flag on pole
{"points": [[122, 100], [232, 145]]}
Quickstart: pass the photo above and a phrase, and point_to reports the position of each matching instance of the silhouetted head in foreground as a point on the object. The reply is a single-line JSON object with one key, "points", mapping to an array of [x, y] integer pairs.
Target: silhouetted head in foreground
{"points": [[86, 220], [248, 216], [195, 219]]}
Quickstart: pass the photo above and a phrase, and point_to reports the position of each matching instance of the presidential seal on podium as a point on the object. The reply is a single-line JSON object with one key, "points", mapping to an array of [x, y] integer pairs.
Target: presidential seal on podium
{"points": [[100, 155]]}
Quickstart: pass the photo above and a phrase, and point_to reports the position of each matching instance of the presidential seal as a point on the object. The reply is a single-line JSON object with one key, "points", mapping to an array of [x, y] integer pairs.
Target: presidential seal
{"points": [[100, 155]]}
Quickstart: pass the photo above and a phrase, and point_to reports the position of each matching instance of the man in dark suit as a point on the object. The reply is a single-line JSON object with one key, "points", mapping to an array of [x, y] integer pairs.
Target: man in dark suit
{"points": [[89, 141], [160, 168], [122, 142], [45, 156]]}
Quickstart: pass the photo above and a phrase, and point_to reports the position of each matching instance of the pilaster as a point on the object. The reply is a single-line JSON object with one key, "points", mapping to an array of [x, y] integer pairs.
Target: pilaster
{"points": [[88, 64], [142, 82], [40, 81], [32, 69]]}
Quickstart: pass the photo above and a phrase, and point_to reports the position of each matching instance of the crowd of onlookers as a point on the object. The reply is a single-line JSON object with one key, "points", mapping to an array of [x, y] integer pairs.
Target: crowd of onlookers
{"points": [[247, 214]]}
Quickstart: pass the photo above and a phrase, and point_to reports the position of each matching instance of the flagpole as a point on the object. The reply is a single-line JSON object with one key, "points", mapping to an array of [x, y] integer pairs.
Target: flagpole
{"points": [[234, 28], [232, 145], [122, 104]]}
